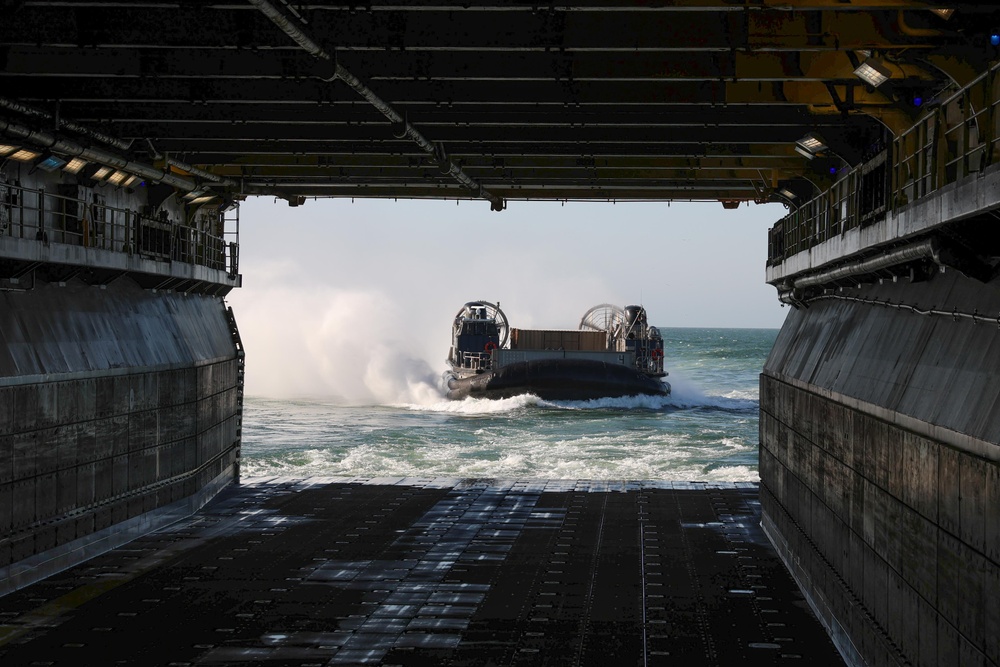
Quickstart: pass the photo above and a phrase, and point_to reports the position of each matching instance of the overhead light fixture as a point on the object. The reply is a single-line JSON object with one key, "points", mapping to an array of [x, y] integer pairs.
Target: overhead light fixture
{"points": [[117, 178], [75, 165], [201, 200], [7, 149], [49, 162], [131, 180], [194, 194], [24, 155], [786, 193], [873, 72], [101, 173], [944, 13], [810, 145]]}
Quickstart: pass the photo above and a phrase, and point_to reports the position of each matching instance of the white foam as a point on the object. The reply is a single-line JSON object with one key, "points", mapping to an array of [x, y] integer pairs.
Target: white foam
{"points": [[476, 406], [620, 403], [684, 393], [733, 474], [518, 453]]}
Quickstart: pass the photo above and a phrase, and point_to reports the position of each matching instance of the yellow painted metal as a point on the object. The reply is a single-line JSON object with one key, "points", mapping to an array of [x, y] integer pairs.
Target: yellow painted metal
{"points": [[865, 101], [958, 70], [955, 140], [839, 30], [783, 5]]}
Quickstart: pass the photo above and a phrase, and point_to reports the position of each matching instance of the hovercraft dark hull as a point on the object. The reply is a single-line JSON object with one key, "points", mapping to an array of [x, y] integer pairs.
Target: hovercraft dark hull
{"points": [[558, 380]]}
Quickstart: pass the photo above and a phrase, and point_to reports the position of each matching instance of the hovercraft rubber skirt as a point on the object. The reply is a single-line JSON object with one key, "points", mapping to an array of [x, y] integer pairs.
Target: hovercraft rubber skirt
{"points": [[558, 380]]}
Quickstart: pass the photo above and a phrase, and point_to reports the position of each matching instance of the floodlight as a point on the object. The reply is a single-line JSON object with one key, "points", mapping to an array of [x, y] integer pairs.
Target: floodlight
{"points": [[810, 145], [117, 178], [7, 149], [873, 72], [24, 155], [201, 200], [786, 193], [101, 173], [49, 162], [75, 165], [944, 13]]}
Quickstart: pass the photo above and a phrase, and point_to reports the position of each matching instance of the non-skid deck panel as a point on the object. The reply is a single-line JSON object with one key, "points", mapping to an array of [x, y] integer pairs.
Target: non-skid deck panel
{"points": [[433, 572]]}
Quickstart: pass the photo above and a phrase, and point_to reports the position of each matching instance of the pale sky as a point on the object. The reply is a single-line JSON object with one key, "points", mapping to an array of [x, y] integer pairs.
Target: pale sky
{"points": [[356, 298]]}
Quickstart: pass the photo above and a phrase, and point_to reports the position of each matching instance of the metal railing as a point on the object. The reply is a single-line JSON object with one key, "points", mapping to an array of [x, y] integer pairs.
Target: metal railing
{"points": [[53, 218], [958, 138]]}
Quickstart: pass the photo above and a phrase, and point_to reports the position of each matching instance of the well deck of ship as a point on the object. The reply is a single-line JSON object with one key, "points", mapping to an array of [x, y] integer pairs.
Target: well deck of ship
{"points": [[409, 571]]}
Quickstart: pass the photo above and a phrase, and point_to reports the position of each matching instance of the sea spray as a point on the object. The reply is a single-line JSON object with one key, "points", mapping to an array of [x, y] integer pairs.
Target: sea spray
{"points": [[706, 430], [352, 346]]}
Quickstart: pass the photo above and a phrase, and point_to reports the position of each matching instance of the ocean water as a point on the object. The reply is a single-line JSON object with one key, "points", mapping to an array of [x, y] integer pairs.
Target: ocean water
{"points": [[706, 430]]}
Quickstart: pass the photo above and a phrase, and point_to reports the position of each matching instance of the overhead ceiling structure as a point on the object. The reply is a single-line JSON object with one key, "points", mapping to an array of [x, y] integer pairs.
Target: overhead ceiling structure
{"points": [[751, 100]]}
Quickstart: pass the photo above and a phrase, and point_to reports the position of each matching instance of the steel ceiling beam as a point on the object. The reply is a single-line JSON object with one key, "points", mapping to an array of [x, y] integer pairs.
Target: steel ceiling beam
{"points": [[511, 115], [227, 27], [400, 124], [227, 165], [461, 152], [578, 6], [459, 134], [650, 100], [522, 175], [442, 94], [692, 192], [121, 63]]}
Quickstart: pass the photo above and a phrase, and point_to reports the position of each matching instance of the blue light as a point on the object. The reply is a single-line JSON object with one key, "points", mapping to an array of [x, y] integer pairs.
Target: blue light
{"points": [[917, 101], [833, 170], [51, 163], [995, 39]]}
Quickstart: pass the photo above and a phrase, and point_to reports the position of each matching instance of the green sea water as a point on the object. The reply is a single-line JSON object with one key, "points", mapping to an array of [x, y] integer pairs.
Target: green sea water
{"points": [[706, 430]]}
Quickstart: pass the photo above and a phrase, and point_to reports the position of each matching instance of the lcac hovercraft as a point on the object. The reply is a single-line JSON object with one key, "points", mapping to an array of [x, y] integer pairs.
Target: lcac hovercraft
{"points": [[614, 352]]}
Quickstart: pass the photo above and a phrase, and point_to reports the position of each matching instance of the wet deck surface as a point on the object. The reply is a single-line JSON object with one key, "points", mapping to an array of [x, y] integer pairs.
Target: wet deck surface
{"points": [[432, 572]]}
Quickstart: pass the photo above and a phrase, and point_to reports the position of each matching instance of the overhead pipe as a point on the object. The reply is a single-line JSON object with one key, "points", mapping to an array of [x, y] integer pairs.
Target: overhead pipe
{"points": [[25, 110], [67, 147], [929, 249], [402, 127], [794, 291], [201, 173], [907, 29], [17, 107]]}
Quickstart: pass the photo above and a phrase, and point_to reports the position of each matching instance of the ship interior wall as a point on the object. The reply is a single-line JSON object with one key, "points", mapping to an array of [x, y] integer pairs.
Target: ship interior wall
{"points": [[880, 469], [119, 411]]}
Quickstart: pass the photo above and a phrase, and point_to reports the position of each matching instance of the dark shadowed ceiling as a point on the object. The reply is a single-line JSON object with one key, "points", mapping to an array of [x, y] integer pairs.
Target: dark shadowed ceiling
{"points": [[691, 99]]}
